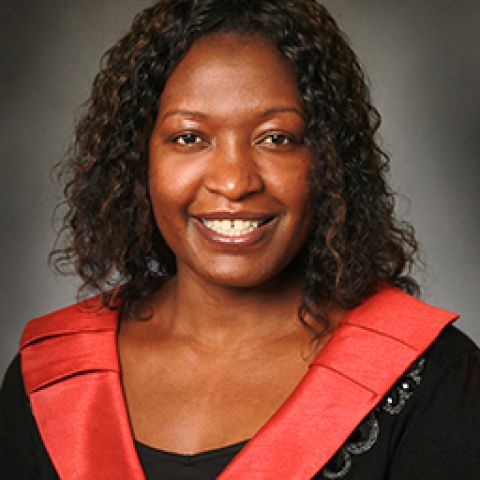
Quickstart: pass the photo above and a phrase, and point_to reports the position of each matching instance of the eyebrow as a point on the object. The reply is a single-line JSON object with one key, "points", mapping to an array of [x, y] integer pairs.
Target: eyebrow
{"points": [[269, 111], [189, 113], [265, 113]]}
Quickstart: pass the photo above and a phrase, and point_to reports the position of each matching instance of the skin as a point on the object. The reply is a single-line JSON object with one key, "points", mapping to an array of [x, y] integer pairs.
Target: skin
{"points": [[224, 347]]}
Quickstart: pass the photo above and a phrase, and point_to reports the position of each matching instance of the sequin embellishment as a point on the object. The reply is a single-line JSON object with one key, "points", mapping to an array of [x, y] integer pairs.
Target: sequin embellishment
{"points": [[397, 397], [360, 441], [366, 434]]}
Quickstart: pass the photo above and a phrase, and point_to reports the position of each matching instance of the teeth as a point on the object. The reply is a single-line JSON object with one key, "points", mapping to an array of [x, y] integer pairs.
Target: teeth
{"points": [[231, 227]]}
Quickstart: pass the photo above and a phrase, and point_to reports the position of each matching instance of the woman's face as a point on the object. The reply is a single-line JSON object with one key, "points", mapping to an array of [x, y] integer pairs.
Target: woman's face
{"points": [[228, 166]]}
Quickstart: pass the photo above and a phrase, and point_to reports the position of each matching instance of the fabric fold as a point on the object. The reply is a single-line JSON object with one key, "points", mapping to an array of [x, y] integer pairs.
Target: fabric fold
{"points": [[71, 373]]}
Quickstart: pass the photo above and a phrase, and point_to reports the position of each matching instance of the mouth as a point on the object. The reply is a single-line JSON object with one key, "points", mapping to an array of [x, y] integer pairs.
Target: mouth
{"points": [[233, 227], [235, 230]]}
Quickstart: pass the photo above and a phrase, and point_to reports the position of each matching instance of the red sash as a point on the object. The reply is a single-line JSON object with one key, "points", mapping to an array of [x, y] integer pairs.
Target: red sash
{"points": [[71, 373]]}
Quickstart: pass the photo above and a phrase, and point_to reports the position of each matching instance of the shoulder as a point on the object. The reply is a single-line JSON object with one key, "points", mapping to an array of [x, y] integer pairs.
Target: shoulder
{"points": [[85, 316], [447, 399], [438, 434], [22, 452], [12, 386], [16, 426], [68, 341], [452, 350], [446, 377], [452, 370], [452, 338], [450, 373]]}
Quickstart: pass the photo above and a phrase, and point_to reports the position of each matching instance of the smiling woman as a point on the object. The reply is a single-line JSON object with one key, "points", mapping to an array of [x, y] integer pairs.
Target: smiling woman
{"points": [[254, 316]]}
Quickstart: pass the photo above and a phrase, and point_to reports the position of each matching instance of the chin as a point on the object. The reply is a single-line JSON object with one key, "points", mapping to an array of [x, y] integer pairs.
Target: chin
{"points": [[240, 283], [243, 277]]}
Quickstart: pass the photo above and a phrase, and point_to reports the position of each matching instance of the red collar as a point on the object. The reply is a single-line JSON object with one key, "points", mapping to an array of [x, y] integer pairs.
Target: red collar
{"points": [[71, 373]]}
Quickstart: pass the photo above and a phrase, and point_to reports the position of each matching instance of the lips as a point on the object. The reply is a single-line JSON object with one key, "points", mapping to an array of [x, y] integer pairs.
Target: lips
{"points": [[234, 228], [231, 215]]}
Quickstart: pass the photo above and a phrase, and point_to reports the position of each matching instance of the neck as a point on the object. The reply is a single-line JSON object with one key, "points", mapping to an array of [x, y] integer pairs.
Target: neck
{"points": [[222, 317]]}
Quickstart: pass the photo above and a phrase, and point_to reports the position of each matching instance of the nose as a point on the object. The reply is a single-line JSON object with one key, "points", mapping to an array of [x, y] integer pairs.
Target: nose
{"points": [[233, 172]]}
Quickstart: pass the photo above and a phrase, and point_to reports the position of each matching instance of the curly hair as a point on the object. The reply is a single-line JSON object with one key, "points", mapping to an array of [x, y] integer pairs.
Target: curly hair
{"points": [[109, 235]]}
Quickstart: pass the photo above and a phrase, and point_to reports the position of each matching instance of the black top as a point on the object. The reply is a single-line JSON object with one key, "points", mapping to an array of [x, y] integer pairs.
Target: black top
{"points": [[426, 428], [158, 464]]}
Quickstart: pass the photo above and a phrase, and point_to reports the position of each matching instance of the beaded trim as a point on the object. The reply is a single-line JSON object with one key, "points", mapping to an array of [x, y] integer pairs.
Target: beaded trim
{"points": [[366, 434], [397, 397]]}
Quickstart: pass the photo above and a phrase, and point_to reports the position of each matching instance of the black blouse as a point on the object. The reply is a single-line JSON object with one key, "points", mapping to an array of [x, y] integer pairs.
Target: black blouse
{"points": [[158, 464], [426, 428]]}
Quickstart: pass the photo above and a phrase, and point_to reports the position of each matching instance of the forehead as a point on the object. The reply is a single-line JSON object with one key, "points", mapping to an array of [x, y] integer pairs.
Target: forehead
{"points": [[231, 71]]}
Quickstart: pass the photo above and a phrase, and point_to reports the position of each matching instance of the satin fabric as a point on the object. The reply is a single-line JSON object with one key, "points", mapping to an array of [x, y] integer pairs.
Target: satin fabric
{"points": [[71, 373]]}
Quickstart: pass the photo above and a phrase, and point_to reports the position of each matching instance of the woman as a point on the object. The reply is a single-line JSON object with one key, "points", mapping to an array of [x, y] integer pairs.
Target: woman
{"points": [[255, 319]]}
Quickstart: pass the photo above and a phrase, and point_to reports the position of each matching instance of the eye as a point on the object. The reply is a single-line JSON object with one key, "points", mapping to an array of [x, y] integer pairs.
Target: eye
{"points": [[188, 139], [277, 139]]}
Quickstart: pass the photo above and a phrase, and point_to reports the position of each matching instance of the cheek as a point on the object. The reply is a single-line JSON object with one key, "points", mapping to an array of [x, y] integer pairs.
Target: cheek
{"points": [[160, 196], [296, 198], [292, 187], [171, 182], [163, 190], [172, 187]]}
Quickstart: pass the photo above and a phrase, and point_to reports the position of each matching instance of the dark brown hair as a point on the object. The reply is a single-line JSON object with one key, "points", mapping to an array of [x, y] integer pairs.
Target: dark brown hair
{"points": [[109, 234]]}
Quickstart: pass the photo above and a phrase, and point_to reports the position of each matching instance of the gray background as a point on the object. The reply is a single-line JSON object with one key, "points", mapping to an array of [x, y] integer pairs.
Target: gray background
{"points": [[423, 61]]}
